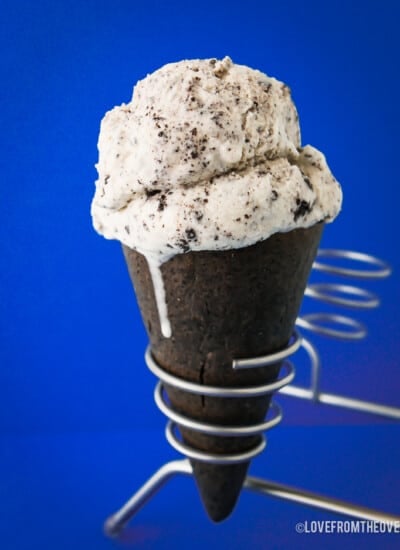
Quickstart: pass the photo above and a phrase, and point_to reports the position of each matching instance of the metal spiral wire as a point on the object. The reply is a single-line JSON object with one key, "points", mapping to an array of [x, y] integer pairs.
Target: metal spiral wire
{"points": [[338, 326], [347, 296], [177, 419]]}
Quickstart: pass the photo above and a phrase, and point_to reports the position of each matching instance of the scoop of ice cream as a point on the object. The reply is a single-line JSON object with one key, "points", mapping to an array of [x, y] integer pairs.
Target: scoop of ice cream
{"points": [[207, 156]]}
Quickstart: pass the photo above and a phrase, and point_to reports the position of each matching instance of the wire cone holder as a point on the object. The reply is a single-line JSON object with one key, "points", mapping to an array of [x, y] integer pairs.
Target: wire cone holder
{"points": [[345, 328]]}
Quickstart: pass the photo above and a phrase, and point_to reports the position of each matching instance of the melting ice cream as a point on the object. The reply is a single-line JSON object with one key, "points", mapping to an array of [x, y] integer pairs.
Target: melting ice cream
{"points": [[206, 156]]}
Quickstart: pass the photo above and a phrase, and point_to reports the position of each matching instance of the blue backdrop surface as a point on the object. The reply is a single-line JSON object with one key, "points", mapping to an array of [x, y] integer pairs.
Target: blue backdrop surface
{"points": [[78, 427]]}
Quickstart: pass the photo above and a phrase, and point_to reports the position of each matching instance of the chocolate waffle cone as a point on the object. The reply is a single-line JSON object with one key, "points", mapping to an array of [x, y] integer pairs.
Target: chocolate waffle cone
{"points": [[225, 305]]}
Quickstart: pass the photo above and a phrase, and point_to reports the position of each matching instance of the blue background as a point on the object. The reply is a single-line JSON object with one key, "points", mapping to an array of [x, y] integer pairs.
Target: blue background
{"points": [[78, 429]]}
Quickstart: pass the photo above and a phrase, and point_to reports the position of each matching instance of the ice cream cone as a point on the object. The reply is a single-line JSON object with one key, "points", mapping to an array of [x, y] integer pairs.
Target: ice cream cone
{"points": [[225, 305], [203, 179]]}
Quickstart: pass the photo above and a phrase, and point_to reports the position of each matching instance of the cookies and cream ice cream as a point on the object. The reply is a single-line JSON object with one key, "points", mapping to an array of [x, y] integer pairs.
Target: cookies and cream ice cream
{"points": [[206, 156]]}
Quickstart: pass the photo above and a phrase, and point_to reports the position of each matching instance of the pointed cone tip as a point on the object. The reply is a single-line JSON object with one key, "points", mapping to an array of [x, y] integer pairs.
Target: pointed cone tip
{"points": [[219, 487]]}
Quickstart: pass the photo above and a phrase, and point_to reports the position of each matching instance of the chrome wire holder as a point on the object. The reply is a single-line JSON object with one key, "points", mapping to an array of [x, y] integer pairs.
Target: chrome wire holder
{"points": [[216, 391], [346, 328], [360, 299]]}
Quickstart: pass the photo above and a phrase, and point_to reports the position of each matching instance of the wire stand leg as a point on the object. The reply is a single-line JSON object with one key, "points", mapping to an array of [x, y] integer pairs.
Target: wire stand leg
{"points": [[116, 523], [314, 500]]}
